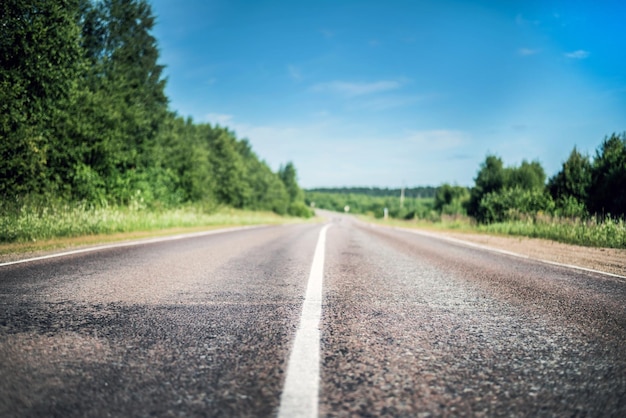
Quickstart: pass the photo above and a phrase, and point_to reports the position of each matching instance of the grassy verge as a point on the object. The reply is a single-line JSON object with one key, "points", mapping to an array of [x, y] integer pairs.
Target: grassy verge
{"points": [[33, 228], [609, 233]]}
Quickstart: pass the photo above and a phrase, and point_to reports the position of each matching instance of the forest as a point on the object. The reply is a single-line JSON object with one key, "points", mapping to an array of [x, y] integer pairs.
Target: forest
{"points": [[84, 118]]}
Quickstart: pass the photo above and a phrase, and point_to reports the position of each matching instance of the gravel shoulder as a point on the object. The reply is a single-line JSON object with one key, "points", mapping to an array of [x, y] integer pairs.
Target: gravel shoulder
{"points": [[609, 260]]}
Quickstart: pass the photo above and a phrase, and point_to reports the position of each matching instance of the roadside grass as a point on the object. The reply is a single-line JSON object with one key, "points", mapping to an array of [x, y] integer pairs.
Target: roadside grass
{"points": [[42, 227], [606, 233]]}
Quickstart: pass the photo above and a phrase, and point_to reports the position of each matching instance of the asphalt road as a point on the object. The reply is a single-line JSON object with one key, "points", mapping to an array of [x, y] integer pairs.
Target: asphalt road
{"points": [[410, 326]]}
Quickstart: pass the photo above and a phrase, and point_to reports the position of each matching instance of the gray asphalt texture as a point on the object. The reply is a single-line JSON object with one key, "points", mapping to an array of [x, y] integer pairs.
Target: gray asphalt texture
{"points": [[411, 326]]}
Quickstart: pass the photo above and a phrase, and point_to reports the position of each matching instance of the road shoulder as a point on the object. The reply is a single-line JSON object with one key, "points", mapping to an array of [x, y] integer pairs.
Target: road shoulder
{"points": [[608, 260]]}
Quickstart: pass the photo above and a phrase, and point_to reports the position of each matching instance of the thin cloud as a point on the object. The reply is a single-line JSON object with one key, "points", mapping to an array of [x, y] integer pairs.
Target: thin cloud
{"points": [[579, 54], [352, 89], [521, 21], [525, 52], [437, 139], [327, 33], [294, 72], [219, 118], [389, 102]]}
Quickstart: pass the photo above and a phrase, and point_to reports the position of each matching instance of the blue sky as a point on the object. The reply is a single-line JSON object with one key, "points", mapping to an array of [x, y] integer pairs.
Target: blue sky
{"points": [[391, 93]]}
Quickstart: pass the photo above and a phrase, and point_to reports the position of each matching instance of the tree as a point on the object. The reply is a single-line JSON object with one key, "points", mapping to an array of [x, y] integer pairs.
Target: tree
{"points": [[528, 176], [608, 177], [449, 200], [288, 175], [125, 104], [514, 203], [570, 187], [40, 61], [491, 177], [228, 169]]}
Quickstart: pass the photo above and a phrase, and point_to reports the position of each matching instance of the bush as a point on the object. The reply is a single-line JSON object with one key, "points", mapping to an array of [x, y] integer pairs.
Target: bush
{"points": [[514, 204], [300, 210]]}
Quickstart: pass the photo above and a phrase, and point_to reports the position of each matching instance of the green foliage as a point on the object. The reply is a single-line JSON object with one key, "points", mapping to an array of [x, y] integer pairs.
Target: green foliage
{"points": [[500, 192], [575, 206], [570, 186], [528, 176], [370, 204], [35, 219], [297, 206], [514, 204], [410, 192], [287, 174], [583, 188], [84, 119], [607, 233], [40, 63], [607, 194], [451, 200], [491, 177]]}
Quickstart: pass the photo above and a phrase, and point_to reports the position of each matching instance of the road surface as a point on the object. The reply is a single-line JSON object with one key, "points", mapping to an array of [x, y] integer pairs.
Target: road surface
{"points": [[408, 325]]}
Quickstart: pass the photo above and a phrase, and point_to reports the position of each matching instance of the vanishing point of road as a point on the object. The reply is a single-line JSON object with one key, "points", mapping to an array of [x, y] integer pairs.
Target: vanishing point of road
{"points": [[332, 319]]}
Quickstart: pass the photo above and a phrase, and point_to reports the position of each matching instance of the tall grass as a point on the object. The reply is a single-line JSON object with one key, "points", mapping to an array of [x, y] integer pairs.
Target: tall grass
{"points": [[607, 233], [38, 220]]}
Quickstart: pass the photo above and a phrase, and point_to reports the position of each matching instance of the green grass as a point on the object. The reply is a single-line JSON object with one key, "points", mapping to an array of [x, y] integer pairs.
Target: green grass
{"points": [[37, 222], [608, 233]]}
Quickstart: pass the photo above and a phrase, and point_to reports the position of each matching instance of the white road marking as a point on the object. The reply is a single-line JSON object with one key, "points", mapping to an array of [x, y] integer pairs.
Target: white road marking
{"points": [[131, 244], [300, 395], [510, 253]]}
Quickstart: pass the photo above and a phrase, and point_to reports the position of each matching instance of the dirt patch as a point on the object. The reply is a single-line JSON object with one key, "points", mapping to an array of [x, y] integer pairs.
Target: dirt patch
{"points": [[609, 260]]}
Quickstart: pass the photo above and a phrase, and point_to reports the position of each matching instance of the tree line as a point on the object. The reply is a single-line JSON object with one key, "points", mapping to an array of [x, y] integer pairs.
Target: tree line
{"points": [[84, 117], [417, 192], [584, 187]]}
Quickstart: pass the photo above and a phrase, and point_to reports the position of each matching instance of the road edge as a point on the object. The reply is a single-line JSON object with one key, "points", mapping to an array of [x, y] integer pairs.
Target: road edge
{"points": [[498, 250], [132, 243]]}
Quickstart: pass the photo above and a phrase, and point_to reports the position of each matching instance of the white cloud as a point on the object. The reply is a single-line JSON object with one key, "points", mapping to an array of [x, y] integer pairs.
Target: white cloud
{"points": [[219, 118], [294, 72], [388, 102], [528, 51], [579, 54], [352, 89]]}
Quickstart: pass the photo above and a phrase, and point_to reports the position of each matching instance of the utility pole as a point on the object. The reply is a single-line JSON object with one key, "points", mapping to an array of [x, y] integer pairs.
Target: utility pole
{"points": [[402, 197]]}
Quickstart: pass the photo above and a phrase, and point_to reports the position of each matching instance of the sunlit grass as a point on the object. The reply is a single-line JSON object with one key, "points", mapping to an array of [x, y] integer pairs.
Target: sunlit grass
{"points": [[606, 233], [38, 222]]}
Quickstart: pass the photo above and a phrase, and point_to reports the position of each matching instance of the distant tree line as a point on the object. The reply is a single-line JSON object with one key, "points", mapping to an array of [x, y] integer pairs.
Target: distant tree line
{"points": [[405, 203], [418, 192], [84, 117]]}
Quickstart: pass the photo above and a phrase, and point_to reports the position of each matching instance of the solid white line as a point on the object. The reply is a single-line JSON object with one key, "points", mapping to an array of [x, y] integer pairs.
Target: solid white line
{"points": [[300, 395], [509, 253], [131, 244]]}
